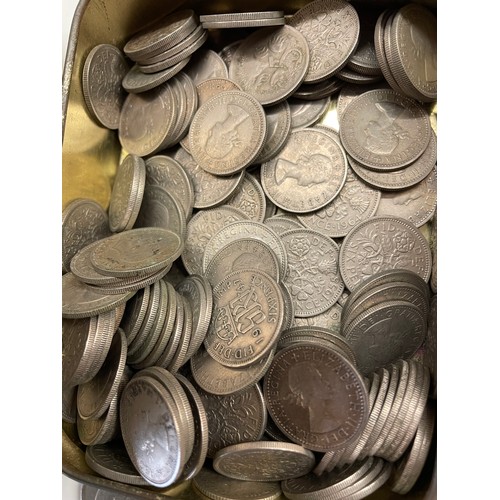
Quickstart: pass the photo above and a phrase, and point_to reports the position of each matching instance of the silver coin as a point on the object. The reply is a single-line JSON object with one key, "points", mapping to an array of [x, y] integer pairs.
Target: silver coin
{"points": [[254, 23], [204, 65], [307, 113]]}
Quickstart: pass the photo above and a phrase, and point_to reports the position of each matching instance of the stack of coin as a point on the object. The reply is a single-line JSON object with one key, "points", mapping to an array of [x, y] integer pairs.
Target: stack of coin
{"points": [[162, 50], [243, 19], [406, 49], [157, 420]]}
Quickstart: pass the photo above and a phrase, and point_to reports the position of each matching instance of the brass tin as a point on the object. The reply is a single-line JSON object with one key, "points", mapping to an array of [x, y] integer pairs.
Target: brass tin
{"points": [[91, 154]]}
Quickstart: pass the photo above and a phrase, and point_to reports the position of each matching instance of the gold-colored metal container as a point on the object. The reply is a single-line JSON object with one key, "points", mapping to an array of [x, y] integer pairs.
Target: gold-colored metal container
{"points": [[91, 154]]}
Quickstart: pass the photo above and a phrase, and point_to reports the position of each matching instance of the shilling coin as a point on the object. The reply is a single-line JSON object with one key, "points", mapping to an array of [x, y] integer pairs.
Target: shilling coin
{"points": [[303, 389], [356, 201], [383, 243], [215, 378], [201, 228], [234, 418], [247, 318], [313, 276], [112, 461], [242, 254], [384, 130], [385, 333], [307, 174], [206, 64], [83, 222], [127, 193], [416, 203], [151, 431], [137, 252], [209, 190], [213, 485], [164, 171], [227, 132], [271, 63], [243, 229], [162, 35], [146, 121], [264, 461], [103, 72], [80, 300], [331, 28]]}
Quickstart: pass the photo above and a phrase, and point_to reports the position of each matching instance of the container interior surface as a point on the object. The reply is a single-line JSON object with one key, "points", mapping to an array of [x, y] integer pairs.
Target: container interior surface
{"points": [[91, 154]]}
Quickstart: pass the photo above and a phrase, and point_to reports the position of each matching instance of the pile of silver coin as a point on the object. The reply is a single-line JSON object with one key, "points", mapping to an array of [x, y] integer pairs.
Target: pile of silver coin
{"points": [[253, 315]]}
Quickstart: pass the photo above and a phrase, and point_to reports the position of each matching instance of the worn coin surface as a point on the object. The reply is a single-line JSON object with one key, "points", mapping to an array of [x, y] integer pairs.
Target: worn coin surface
{"points": [[83, 222], [384, 130], [136, 252], [206, 64], [307, 174], [271, 63], [316, 397], [227, 132], [331, 28], [264, 461], [234, 418], [103, 72], [306, 113], [250, 198], [313, 275], [383, 243], [356, 201], [247, 318]]}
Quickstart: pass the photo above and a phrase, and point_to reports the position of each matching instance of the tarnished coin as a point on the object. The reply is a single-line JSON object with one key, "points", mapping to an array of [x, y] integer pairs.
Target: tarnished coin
{"points": [[209, 190], [137, 82], [246, 320], [228, 51], [243, 229], [215, 378], [307, 174], [80, 300], [200, 230], [147, 120], [151, 431], [331, 28], [137, 252], [356, 201], [127, 193], [384, 130], [244, 23], [320, 90], [95, 396], [271, 63], [241, 16], [83, 222], [385, 333], [165, 33], [240, 255], [264, 461], [234, 418], [112, 461], [213, 485], [103, 72], [278, 128], [313, 275], [414, 39], [161, 209], [350, 91], [416, 203], [164, 171], [327, 319], [227, 132], [204, 65], [250, 198], [307, 113], [348, 75], [316, 397], [383, 243], [92, 493]]}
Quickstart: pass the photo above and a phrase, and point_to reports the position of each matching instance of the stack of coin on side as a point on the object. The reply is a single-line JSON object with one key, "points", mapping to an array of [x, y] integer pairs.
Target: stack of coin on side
{"points": [[255, 301]]}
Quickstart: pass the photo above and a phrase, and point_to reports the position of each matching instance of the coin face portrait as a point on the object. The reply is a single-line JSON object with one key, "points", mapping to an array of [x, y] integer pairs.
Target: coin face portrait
{"points": [[223, 136], [383, 134], [308, 170], [311, 389]]}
